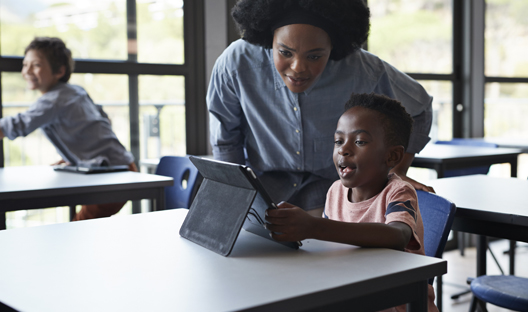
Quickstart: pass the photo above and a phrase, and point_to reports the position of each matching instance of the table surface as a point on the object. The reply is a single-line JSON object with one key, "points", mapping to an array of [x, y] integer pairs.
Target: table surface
{"points": [[140, 263], [498, 202], [27, 182], [507, 142], [447, 152]]}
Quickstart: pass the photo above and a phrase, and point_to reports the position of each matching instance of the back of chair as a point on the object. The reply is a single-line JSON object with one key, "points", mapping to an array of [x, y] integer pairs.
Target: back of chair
{"points": [[469, 170], [438, 214], [185, 176]]}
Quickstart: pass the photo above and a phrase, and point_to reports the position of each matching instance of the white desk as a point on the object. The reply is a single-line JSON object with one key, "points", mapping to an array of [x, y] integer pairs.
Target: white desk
{"points": [[140, 263], [487, 206], [31, 187], [507, 142]]}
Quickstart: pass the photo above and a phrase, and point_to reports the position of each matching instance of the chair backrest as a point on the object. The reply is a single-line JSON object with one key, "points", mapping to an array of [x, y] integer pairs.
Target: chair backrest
{"points": [[469, 170], [185, 176], [438, 214]]}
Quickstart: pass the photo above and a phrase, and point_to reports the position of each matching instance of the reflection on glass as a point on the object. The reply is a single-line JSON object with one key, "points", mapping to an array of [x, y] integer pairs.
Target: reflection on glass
{"points": [[162, 116], [441, 91], [160, 31], [506, 36], [414, 36], [506, 110], [91, 29]]}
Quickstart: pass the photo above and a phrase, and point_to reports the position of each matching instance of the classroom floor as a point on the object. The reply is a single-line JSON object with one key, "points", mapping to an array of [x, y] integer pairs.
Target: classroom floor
{"points": [[460, 267]]}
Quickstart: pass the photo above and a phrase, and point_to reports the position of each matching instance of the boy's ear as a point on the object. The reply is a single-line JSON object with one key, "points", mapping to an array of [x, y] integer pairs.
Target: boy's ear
{"points": [[395, 155], [60, 73]]}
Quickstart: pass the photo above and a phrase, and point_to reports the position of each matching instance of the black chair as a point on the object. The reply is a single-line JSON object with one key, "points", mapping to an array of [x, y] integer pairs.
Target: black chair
{"points": [[438, 215], [186, 180]]}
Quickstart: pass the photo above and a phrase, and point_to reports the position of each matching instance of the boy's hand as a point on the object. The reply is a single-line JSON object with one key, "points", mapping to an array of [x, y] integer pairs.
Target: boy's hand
{"points": [[289, 223]]}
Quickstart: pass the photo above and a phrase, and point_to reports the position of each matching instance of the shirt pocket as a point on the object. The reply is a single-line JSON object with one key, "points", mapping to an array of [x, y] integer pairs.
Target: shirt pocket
{"points": [[323, 163]]}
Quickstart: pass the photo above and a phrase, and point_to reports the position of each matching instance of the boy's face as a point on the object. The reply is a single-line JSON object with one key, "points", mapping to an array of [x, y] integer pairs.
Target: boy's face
{"points": [[361, 156], [37, 72]]}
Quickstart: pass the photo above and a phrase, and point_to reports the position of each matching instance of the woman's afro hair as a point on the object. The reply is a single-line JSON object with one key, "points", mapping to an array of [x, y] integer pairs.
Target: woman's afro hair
{"points": [[350, 18]]}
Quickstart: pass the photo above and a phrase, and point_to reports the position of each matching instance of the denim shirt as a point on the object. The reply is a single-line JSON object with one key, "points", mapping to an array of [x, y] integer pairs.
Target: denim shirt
{"points": [[79, 129], [288, 137]]}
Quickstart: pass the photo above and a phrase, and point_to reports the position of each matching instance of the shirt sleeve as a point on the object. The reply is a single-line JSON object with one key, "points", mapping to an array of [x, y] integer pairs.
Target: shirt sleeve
{"points": [[414, 98], [39, 114], [402, 208], [420, 133], [225, 118]]}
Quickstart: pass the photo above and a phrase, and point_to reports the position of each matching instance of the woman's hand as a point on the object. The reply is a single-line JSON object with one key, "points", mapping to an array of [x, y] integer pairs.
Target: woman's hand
{"points": [[417, 185], [289, 223], [401, 170]]}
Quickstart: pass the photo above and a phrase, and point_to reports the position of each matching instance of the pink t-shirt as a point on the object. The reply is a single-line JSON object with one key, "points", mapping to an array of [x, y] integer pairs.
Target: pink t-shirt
{"points": [[396, 202]]}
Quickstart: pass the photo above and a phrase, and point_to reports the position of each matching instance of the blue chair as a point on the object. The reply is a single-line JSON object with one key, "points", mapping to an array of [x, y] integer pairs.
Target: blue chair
{"points": [[186, 180], [438, 215], [506, 291], [469, 170]]}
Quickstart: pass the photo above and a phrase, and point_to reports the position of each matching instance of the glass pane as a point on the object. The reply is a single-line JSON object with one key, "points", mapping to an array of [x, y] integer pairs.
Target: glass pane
{"points": [[441, 91], [505, 116], [506, 110], [414, 36], [442, 126], [506, 36], [91, 29], [160, 31], [162, 116]]}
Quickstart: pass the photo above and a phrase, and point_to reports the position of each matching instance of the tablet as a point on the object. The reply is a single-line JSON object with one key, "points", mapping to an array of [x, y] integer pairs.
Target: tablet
{"points": [[230, 198], [90, 169]]}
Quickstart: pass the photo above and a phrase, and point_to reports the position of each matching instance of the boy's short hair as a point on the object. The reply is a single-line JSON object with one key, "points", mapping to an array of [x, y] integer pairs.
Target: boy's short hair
{"points": [[397, 123], [56, 52]]}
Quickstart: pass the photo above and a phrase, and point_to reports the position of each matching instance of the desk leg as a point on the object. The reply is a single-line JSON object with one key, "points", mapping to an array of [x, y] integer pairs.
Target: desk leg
{"points": [[482, 250], [158, 203], [511, 252], [2, 221], [421, 303], [439, 171]]}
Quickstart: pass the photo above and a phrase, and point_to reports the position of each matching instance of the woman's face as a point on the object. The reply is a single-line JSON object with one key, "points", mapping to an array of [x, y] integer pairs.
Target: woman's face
{"points": [[300, 54]]}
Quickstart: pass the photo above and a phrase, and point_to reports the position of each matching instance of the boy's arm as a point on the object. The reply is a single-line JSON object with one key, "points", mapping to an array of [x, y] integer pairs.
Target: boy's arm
{"points": [[294, 224], [1, 133]]}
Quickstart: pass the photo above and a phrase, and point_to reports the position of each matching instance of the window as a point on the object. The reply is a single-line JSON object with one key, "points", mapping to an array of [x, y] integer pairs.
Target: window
{"points": [[411, 34], [506, 70], [136, 58]]}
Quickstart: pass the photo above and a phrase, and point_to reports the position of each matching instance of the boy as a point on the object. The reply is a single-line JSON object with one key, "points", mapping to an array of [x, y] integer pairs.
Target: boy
{"points": [[367, 207], [79, 129]]}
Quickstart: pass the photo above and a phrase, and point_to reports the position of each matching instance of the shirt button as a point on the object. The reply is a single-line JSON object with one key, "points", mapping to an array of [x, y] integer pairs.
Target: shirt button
{"points": [[294, 184], [298, 168], [297, 130], [295, 108], [298, 153]]}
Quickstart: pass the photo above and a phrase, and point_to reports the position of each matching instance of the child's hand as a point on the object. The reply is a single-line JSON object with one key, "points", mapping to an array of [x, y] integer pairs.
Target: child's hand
{"points": [[289, 223]]}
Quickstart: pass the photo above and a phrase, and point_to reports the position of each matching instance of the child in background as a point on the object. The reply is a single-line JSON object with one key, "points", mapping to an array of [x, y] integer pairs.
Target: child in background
{"points": [[79, 129], [367, 207]]}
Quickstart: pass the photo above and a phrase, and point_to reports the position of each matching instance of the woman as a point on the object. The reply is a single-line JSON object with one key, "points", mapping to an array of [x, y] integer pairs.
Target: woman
{"points": [[276, 95]]}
